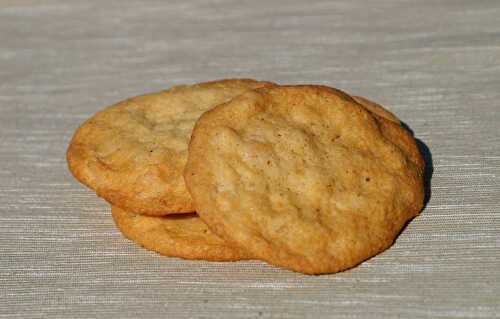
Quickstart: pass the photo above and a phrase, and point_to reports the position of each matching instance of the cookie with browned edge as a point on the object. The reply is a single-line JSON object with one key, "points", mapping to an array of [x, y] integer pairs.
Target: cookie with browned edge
{"points": [[304, 177], [183, 235], [133, 153]]}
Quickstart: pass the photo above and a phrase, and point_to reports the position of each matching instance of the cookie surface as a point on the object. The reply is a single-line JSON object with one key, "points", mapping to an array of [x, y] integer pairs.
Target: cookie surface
{"points": [[391, 129], [185, 236], [304, 177], [133, 153]]}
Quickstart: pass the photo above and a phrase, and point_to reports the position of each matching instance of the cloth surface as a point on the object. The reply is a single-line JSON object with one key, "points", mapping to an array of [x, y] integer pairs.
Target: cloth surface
{"points": [[435, 64]]}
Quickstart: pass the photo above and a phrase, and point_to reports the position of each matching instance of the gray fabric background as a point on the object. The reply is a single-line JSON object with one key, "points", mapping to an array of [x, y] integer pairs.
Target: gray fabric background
{"points": [[436, 64]]}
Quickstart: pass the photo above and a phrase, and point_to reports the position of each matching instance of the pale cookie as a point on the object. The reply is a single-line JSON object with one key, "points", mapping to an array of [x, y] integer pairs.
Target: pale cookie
{"points": [[185, 236], [133, 153], [304, 177]]}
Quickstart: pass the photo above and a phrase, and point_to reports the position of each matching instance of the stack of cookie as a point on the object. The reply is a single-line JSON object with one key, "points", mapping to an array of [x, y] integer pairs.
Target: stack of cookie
{"points": [[304, 177]]}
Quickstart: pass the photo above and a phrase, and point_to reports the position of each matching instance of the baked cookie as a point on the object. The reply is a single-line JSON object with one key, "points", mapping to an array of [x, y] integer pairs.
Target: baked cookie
{"points": [[304, 177], [133, 153], [185, 236], [391, 129]]}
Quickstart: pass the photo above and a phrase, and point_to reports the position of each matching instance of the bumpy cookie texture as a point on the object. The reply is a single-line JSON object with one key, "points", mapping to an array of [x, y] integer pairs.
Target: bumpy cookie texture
{"points": [[304, 177], [185, 236], [392, 130], [133, 153]]}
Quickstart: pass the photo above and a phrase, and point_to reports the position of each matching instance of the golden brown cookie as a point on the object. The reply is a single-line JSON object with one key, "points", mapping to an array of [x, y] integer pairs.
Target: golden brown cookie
{"points": [[304, 177], [133, 153], [376, 109], [185, 236], [392, 130]]}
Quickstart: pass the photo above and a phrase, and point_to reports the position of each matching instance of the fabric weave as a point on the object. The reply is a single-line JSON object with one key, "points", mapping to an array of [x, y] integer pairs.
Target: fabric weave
{"points": [[435, 64]]}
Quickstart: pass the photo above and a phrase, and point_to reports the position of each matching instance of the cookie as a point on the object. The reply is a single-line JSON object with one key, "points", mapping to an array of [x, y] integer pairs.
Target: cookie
{"points": [[376, 109], [184, 235], [133, 153], [304, 177], [391, 129]]}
